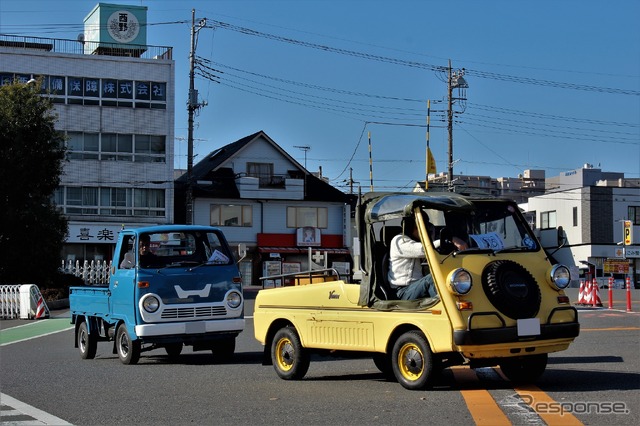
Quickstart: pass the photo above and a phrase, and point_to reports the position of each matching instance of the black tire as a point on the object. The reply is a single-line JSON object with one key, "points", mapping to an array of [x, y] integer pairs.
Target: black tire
{"points": [[412, 360], [128, 350], [511, 289], [224, 350], [87, 342], [173, 350], [383, 363], [526, 369], [290, 360]]}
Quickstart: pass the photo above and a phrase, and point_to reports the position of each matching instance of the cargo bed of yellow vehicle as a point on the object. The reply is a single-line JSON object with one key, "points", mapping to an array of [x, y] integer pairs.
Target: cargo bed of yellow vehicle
{"points": [[500, 302]]}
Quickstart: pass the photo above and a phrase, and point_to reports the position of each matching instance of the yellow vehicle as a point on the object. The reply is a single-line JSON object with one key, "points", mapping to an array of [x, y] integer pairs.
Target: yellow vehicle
{"points": [[500, 302]]}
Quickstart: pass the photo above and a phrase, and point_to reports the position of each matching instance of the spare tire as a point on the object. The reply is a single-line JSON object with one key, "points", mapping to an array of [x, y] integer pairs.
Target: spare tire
{"points": [[511, 289]]}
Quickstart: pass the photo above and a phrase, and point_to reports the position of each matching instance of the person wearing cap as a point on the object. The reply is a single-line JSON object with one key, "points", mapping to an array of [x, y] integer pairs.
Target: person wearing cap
{"points": [[406, 258]]}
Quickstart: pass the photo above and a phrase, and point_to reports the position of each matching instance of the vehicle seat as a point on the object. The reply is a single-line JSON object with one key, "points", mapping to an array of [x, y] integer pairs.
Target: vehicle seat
{"points": [[386, 235]]}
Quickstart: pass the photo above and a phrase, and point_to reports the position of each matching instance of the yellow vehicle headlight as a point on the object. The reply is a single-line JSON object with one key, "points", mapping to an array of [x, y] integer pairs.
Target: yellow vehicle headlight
{"points": [[460, 281]]}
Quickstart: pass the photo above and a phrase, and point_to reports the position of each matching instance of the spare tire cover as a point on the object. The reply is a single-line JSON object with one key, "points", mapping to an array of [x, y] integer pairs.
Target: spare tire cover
{"points": [[511, 289]]}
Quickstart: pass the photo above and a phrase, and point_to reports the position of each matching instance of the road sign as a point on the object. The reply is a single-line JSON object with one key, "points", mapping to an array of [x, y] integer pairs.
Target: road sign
{"points": [[632, 252]]}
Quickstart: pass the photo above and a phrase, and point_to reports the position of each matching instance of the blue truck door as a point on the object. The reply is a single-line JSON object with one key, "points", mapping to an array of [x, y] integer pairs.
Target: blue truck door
{"points": [[123, 283]]}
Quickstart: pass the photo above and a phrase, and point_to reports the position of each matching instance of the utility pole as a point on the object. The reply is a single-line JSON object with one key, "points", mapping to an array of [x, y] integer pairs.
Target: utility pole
{"points": [[192, 107], [455, 79]]}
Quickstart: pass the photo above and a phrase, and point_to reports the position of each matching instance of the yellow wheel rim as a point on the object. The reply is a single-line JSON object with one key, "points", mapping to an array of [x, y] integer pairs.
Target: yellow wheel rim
{"points": [[411, 361], [284, 354]]}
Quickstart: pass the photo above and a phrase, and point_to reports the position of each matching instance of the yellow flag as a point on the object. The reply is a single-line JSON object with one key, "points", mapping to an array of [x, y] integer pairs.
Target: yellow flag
{"points": [[431, 162]]}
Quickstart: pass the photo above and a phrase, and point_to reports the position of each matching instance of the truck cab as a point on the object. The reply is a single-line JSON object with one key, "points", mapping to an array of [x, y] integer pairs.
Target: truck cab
{"points": [[500, 301], [170, 286]]}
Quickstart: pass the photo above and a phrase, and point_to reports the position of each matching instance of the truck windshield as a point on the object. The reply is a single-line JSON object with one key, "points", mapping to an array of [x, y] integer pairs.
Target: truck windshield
{"points": [[167, 249]]}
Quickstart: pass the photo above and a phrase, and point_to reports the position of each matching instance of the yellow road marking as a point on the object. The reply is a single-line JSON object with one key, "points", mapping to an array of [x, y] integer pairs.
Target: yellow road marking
{"points": [[545, 406], [483, 408]]}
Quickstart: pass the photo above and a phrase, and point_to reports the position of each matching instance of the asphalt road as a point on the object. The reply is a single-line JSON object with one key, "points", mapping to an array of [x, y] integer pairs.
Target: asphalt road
{"points": [[595, 382]]}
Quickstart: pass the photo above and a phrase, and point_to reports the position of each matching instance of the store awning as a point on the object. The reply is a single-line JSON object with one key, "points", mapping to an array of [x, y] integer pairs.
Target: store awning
{"points": [[302, 250]]}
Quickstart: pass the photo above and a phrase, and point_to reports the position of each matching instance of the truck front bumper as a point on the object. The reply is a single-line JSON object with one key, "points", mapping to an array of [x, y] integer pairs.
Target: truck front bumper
{"points": [[190, 327]]}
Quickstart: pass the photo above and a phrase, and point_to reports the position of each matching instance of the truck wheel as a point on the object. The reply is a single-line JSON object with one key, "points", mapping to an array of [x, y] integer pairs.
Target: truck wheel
{"points": [[128, 350], [383, 363], [412, 360], [87, 342], [526, 369], [290, 359], [224, 350], [173, 350]]}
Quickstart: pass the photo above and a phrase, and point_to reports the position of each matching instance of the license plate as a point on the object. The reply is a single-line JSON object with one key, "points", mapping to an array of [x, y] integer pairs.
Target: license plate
{"points": [[529, 327], [195, 327]]}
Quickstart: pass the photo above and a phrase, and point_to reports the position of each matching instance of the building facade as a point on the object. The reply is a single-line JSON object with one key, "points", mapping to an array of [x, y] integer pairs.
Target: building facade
{"points": [[289, 219], [581, 220], [115, 103]]}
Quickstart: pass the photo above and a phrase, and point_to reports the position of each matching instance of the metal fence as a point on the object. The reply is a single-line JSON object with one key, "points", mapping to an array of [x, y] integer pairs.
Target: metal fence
{"points": [[78, 47], [92, 273]]}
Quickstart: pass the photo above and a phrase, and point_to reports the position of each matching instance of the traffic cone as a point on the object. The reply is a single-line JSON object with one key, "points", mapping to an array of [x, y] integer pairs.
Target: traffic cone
{"points": [[588, 292], [595, 301], [581, 294]]}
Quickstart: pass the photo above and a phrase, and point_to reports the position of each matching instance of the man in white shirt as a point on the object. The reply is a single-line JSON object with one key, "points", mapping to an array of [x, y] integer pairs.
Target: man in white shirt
{"points": [[405, 262]]}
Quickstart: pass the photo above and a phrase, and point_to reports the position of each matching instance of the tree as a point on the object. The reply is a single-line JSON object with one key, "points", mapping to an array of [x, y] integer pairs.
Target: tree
{"points": [[32, 152]]}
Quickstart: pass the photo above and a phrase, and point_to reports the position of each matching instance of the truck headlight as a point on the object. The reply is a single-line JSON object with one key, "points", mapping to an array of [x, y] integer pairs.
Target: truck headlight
{"points": [[460, 281], [150, 304], [560, 277], [234, 299]]}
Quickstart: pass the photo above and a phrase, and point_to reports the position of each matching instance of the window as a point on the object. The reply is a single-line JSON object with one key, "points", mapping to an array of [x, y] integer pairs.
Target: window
{"points": [[150, 148], [634, 214], [83, 146], [148, 202], [548, 220], [111, 201], [575, 216], [263, 171], [231, 215], [117, 147], [299, 217]]}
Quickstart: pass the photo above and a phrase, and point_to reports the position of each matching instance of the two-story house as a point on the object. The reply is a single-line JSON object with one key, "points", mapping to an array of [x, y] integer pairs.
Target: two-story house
{"points": [[289, 219]]}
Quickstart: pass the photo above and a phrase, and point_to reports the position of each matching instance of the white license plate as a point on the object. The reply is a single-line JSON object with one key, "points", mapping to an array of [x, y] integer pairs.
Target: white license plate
{"points": [[529, 327]]}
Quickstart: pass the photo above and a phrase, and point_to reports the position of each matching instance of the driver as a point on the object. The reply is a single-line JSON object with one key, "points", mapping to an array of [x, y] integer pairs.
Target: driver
{"points": [[406, 256]]}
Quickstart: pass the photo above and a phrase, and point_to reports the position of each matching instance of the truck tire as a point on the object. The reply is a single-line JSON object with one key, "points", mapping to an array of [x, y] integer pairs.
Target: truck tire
{"points": [[224, 350], [526, 369], [87, 342], [290, 360], [412, 360], [128, 350]]}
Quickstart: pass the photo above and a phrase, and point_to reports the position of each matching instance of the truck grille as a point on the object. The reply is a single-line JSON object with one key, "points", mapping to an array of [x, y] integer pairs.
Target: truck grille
{"points": [[193, 312]]}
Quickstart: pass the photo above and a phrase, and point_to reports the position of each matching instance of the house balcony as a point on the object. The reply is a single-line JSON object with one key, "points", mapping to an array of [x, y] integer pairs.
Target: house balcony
{"points": [[273, 187]]}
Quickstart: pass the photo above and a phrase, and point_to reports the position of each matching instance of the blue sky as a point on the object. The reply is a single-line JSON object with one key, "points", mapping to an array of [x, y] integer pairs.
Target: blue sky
{"points": [[552, 84]]}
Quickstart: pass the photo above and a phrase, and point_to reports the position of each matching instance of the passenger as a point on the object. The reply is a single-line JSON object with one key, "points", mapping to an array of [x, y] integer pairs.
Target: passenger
{"points": [[405, 261]]}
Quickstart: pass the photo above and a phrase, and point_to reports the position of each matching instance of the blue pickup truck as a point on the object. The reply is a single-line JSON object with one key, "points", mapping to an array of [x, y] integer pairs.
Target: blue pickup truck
{"points": [[170, 286]]}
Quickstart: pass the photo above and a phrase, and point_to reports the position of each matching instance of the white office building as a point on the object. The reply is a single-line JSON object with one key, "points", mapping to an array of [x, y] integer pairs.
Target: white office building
{"points": [[114, 97]]}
